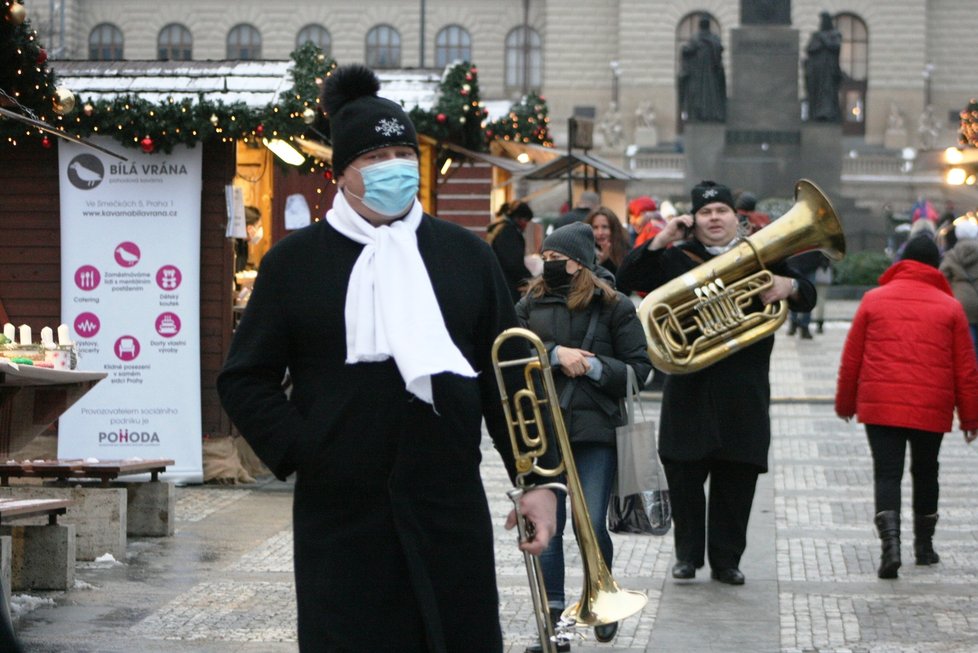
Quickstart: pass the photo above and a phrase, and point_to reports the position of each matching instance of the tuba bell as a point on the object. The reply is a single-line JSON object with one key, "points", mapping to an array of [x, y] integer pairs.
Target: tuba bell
{"points": [[708, 313], [532, 412]]}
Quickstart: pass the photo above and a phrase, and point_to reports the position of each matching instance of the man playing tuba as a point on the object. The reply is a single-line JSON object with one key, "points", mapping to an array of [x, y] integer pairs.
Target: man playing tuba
{"points": [[714, 421]]}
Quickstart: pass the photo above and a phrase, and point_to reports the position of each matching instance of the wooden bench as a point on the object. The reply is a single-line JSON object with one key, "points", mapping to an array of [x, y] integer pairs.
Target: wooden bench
{"points": [[69, 470], [14, 508]]}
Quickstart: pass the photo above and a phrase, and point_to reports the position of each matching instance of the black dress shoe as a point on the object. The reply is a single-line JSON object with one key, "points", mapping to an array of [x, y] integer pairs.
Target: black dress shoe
{"points": [[731, 576], [606, 632], [562, 647], [684, 570]]}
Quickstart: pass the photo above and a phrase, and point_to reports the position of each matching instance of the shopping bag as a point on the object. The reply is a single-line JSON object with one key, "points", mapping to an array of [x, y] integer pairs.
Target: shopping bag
{"points": [[640, 499]]}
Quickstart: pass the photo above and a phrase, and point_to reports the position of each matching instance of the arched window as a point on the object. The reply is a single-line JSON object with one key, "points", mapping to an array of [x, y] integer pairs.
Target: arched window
{"points": [[244, 42], [453, 43], [105, 43], [175, 43], [685, 30], [317, 35], [524, 60], [854, 61], [383, 47]]}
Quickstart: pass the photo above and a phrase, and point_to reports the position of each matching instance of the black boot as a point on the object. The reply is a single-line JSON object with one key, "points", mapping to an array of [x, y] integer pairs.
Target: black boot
{"points": [[820, 326], [888, 526], [561, 647], [792, 328], [805, 333], [923, 546]]}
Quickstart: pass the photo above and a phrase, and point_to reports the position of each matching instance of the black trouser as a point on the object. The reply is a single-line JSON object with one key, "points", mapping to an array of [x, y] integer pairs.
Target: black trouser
{"points": [[889, 447], [723, 530]]}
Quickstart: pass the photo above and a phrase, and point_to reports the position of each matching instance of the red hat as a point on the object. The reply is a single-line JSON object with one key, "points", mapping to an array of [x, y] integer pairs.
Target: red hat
{"points": [[641, 204]]}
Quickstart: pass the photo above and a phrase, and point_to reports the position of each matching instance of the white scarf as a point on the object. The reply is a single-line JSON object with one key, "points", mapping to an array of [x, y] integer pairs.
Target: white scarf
{"points": [[391, 308]]}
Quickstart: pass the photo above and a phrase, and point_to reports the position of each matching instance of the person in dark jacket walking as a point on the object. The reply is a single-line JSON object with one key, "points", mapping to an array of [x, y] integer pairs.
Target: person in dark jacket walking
{"points": [[505, 235], [714, 422], [908, 394], [385, 319], [593, 335]]}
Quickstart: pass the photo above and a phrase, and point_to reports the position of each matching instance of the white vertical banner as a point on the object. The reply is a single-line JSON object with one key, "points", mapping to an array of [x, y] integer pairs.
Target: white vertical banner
{"points": [[130, 295]]}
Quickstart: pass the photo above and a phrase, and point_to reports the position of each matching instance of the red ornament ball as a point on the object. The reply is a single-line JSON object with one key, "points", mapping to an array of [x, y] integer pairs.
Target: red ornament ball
{"points": [[463, 92], [42, 56], [46, 143], [468, 77], [473, 70], [260, 129], [147, 144], [328, 175], [441, 118]]}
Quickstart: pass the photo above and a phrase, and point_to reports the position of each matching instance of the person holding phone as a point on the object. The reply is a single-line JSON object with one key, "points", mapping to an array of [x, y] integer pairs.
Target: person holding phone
{"points": [[714, 423]]}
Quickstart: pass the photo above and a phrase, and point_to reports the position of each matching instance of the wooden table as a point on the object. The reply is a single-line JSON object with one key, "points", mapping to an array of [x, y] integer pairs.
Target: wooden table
{"points": [[32, 398]]}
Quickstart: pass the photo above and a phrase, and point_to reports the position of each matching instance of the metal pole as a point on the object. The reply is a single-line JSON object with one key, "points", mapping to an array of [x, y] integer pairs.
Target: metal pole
{"points": [[421, 45], [526, 47]]}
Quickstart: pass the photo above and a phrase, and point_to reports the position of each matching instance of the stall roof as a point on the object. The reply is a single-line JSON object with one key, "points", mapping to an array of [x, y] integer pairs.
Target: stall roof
{"points": [[564, 166], [256, 83]]}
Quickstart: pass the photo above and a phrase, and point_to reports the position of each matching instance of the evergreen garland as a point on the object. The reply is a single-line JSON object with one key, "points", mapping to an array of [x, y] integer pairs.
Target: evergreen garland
{"points": [[528, 121], [24, 75], [458, 115]]}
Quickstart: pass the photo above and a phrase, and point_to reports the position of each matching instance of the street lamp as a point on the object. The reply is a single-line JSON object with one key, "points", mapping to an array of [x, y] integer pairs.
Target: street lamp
{"points": [[615, 74]]}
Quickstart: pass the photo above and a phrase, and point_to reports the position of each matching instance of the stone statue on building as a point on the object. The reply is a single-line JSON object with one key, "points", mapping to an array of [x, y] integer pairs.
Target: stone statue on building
{"points": [[646, 134], [895, 136], [928, 129], [611, 127], [822, 72], [702, 81]]}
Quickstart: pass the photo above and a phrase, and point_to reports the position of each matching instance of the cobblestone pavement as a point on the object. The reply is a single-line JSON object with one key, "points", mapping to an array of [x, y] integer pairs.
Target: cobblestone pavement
{"points": [[223, 582]]}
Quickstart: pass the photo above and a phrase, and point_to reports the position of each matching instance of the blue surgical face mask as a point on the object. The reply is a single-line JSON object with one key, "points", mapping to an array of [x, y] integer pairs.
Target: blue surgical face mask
{"points": [[390, 187]]}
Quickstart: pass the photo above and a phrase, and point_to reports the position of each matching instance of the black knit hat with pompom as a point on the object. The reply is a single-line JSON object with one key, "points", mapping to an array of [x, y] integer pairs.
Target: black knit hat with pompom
{"points": [[360, 120]]}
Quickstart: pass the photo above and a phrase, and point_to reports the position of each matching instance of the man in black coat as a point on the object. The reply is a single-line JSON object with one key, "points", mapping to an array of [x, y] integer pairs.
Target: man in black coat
{"points": [[385, 319], [715, 421]]}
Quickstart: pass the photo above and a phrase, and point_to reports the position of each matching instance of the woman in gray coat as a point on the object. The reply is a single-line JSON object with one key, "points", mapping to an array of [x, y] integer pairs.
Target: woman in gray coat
{"points": [[593, 335]]}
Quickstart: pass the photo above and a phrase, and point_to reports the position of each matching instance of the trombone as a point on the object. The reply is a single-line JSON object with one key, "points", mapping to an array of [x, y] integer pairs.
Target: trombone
{"points": [[602, 600]]}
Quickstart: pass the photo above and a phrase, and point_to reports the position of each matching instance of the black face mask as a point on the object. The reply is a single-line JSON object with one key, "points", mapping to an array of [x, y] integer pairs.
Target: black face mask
{"points": [[555, 274]]}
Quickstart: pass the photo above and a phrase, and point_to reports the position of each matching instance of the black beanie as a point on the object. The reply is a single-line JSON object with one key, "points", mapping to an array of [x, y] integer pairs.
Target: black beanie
{"points": [[575, 241], [707, 192], [922, 249], [359, 120], [520, 210]]}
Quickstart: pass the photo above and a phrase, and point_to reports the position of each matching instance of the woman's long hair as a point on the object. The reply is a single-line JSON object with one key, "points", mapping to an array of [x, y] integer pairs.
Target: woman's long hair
{"points": [[619, 239], [582, 287]]}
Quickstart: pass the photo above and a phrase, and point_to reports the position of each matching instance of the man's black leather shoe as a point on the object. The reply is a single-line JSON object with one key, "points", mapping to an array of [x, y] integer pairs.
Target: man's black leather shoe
{"points": [[731, 576], [606, 632], [684, 570], [563, 647]]}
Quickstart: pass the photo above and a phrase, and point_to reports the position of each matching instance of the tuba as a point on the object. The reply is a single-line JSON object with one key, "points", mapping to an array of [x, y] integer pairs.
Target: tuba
{"points": [[602, 600], [706, 314]]}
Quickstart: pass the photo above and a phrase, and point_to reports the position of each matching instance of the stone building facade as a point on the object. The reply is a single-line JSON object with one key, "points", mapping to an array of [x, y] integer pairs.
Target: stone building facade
{"points": [[902, 56], [914, 48]]}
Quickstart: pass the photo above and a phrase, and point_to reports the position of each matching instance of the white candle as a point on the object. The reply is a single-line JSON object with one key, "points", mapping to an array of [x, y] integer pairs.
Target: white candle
{"points": [[47, 336], [25, 335], [63, 335], [10, 331]]}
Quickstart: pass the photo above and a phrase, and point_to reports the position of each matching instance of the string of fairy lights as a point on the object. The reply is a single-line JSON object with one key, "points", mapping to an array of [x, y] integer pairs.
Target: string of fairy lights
{"points": [[28, 85]]}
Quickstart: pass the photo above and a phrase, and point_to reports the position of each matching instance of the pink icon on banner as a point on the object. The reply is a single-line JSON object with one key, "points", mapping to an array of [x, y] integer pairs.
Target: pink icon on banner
{"points": [[87, 325], [127, 348], [168, 277], [127, 254], [87, 277], [168, 325]]}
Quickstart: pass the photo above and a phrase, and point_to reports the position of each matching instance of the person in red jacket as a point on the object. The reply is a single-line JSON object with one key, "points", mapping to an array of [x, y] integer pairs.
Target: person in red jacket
{"points": [[908, 393]]}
